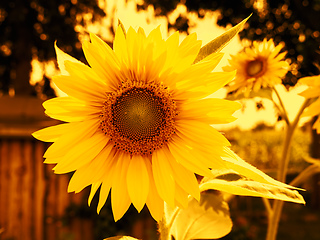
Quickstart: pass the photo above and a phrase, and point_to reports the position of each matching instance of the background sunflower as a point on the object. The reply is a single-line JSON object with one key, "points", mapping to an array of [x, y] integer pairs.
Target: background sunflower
{"points": [[258, 66]]}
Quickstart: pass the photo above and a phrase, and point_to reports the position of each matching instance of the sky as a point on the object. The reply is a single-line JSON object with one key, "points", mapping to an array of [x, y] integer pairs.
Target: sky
{"points": [[206, 29]]}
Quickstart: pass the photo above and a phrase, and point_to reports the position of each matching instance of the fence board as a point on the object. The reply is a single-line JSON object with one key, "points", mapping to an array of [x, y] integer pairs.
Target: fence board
{"points": [[32, 198], [50, 207], [39, 189], [4, 188], [27, 174], [14, 206]]}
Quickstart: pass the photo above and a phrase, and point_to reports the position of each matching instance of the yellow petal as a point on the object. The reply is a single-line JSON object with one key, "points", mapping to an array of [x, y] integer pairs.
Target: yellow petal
{"points": [[181, 197], [104, 49], [120, 200], [104, 193], [120, 45], [82, 90], [51, 134], [106, 66], [200, 132], [76, 133], [182, 155], [210, 110], [107, 183], [154, 201], [81, 153], [138, 181], [93, 191], [163, 176], [103, 164], [70, 110], [185, 178], [97, 170]]}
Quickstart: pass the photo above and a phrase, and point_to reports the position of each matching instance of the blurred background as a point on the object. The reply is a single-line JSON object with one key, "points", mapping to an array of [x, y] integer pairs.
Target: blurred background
{"points": [[34, 203]]}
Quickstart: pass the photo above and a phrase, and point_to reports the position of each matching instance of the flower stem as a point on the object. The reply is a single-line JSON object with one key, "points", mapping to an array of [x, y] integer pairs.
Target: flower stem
{"points": [[165, 225], [305, 174], [163, 230], [283, 112], [275, 213], [267, 204]]}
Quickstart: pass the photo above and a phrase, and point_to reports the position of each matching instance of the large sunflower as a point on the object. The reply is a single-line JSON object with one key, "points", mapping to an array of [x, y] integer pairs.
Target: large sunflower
{"points": [[258, 66], [313, 91], [137, 122]]}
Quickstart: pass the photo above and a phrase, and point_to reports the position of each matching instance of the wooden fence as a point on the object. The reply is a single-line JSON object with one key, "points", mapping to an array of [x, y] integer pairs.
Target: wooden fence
{"points": [[33, 200]]}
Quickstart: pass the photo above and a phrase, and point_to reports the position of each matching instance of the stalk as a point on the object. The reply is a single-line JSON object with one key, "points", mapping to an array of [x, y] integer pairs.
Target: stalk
{"points": [[275, 214]]}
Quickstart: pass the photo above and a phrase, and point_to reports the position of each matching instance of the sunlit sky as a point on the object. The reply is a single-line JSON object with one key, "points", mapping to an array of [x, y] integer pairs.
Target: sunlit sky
{"points": [[206, 29]]}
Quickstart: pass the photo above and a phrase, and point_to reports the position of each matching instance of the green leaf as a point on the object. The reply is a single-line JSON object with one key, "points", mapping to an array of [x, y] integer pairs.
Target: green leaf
{"points": [[207, 219], [241, 185], [262, 92], [218, 43], [62, 57], [121, 238], [234, 164]]}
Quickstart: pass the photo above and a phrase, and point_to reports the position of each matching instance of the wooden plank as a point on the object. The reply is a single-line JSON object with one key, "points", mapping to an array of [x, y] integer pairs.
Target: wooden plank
{"points": [[82, 229], [50, 210], [87, 232], [39, 188], [138, 229], [20, 116], [21, 108], [14, 194], [27, 177], [4, 187], [63, 200]]}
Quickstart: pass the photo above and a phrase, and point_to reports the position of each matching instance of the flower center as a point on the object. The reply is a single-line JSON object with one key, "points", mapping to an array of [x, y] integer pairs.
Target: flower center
{"points": [[255, 68], [139, 120]]}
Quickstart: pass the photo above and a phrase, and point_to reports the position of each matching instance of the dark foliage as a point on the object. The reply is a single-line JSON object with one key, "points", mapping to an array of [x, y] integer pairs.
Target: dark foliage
{"points": [[29, 28], [295, 22]]}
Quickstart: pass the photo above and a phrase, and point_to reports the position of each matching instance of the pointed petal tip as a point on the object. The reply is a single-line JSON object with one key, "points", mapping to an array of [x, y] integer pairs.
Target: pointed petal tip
{"points": [[100, 205], [35, 134], [138, 206], [117, 216]]}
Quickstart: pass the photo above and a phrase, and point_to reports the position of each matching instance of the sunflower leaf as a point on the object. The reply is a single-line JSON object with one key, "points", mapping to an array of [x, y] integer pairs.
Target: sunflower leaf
{"points": [[219, 42], [207, 219], [247, 187], [62, 57], [241, 167], [121, 238], [262, 92]]}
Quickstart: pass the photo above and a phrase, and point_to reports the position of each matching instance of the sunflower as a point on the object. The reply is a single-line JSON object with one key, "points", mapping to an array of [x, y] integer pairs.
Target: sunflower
{"points": [[312, 92], [137, 121], [258, 66]]}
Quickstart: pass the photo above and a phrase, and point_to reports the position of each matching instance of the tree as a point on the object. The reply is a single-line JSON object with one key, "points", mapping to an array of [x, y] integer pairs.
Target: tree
{"points": [[294, 22], [29, 28]]}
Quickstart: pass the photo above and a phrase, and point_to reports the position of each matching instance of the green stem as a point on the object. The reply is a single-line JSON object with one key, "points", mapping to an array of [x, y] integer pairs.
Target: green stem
{"points": [[164, 226], [164, 231], [283, 112], [275, 214], [267, 205], [305, 174], [285, 157]]}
